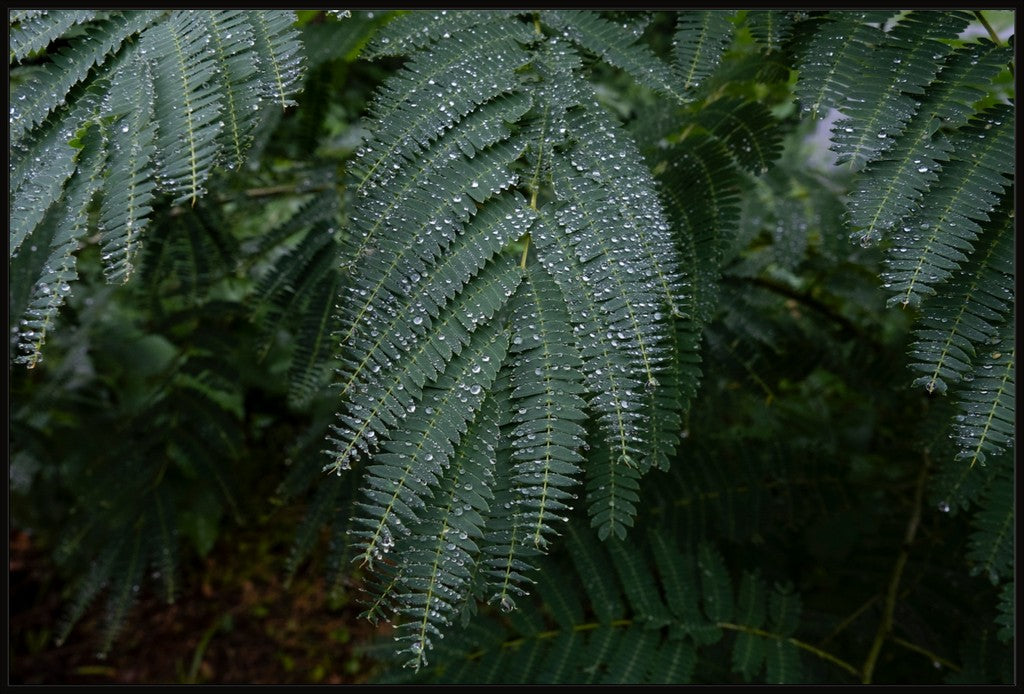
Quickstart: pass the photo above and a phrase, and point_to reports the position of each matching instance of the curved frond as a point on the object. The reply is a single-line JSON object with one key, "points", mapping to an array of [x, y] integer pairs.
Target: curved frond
{"points": [[59, 233], [603, 38], [937, 238], [770, 27], [280, 54], [416, 239], [187, 102], [239, 80], [387, 395], [832, 61], [986, 423], [29, 34], [410, 31], [700, 41], [747, 128], [436, 558], [128, 189], [604, 615], [33, 100], [891, 187], [468, 69], [546, 385], [894, 74], [963, 321], [413, 459], [991, 546]]}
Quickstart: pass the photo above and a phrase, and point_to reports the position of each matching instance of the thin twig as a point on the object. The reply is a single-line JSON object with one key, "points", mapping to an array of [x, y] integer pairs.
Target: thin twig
{"points": [[885, 627], [991, 32], [849, 620], [988, 27], [824, 655], [926, 653]]}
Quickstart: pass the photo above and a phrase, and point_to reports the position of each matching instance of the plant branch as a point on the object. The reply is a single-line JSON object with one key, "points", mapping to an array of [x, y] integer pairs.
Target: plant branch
{"points": [[988, 27], [264, 192], [850, 620], [926, 653], [991, 32], [589, 626], [812, 302], [824, 655], [885, 627]]}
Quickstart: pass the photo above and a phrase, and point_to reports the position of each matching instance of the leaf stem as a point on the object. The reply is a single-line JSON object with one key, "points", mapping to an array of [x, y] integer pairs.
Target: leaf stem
{"points": [[824, 655], [526, 249], [926, 653], [988, 27], [991, 33], [885, 627]]}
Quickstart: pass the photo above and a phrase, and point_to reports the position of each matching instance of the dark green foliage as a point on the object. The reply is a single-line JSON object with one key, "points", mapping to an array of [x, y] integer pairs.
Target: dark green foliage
{"points": [[167, 106], [899, 67], [627, 633], [700, 40], [443, 252], [569, 259]]}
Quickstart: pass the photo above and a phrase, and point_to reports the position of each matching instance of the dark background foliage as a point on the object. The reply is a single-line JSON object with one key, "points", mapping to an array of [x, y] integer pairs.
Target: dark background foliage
{"points": [[806, 461]]}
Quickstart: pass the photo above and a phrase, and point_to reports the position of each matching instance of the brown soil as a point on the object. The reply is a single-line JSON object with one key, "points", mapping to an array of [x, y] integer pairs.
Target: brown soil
{"points": [[232, 622]]}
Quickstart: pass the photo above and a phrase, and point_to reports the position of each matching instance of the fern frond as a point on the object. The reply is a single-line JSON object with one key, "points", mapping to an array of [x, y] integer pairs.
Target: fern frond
{"points": [[962, 321], [890, 188], [475, 111], [606, 155], [701, 39], [991, 547], [882, 101], [125, 581], [506, 548], [770, 27], [426, 191], [413, 459], [41, 167], [34, 33], [468, 69], [624, 631], [280, 291], [546, 386], [986, 423], [747, 128], [436, 212], [418, 338], [33, 100], [239, 79], [410, 31], [128, 188], [86, 590], [310, 368], [832, 61], [596, 575], [278, 49], [438, 556], [603, 38], [163, 533], [701, 186], [638, 583], [934, 242], [716, 585], [188, 103], [748, 652], [612, 486], [153, 82], [59, 232]]}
